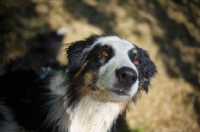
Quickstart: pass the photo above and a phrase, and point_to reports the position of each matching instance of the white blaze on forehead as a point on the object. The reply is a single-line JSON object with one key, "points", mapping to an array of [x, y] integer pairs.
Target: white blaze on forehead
{"points": [[116, 42]]}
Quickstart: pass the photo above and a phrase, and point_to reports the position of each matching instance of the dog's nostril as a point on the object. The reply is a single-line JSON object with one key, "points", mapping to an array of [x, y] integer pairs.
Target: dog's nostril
{"points": [[126, 76], [122, 76]]}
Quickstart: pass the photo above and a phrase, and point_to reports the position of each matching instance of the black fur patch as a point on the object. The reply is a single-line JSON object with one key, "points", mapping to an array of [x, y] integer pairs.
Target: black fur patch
{"points": [[147, 68], [75, 54]]}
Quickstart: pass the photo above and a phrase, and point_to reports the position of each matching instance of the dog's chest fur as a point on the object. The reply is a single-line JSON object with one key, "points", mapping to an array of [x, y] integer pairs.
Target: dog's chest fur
{"points": [[93, 116]]}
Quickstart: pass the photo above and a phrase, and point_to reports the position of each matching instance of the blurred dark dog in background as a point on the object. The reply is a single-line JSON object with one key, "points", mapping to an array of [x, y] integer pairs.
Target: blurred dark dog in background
{"points": [[22, 74]]}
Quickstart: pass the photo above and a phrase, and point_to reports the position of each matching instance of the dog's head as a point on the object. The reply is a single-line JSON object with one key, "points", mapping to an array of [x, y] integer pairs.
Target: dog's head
{"points": [[108, 68]]}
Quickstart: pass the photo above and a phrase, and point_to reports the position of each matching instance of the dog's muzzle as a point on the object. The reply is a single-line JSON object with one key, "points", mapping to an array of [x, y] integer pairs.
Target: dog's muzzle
{"points": [[126, 78]]}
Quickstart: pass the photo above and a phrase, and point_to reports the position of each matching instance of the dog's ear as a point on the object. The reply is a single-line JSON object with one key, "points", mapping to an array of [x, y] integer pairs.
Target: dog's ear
{"points": [[147, 69], [78, 52]]}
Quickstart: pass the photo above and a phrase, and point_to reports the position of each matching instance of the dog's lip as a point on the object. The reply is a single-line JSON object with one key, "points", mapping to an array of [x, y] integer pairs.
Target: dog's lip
{"points": [[120, 92]]}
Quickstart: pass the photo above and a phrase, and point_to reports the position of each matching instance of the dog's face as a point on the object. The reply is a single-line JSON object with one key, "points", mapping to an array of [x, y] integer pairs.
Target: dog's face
{"points": [[109, 68]]}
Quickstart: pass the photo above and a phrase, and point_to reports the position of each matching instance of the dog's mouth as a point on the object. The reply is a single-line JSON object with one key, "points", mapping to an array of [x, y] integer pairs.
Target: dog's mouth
{"points": [[120, 92]]}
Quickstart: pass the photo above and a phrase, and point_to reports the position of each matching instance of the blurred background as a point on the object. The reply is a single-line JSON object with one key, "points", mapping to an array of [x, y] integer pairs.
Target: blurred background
{"points": [[168, 29]]}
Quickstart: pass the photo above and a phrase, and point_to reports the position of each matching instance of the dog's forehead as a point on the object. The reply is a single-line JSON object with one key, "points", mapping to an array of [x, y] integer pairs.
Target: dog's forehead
{"points": [[116, 43]]}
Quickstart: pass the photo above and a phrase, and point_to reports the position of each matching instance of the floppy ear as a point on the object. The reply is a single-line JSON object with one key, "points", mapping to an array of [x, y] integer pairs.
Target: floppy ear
{"points": [[147, 69], [78, 52]]}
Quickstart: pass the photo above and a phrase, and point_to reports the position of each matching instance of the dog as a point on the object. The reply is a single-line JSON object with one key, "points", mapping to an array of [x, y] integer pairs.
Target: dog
{"points": [[19, 76], [104, 75]]}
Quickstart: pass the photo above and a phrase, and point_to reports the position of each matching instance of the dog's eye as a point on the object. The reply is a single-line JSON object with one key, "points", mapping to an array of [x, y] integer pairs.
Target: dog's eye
{"points": [[136, 62], [104, 53]]}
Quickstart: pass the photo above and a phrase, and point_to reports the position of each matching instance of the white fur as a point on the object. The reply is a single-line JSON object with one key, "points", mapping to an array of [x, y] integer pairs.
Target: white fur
{"points": [[94, 116]]}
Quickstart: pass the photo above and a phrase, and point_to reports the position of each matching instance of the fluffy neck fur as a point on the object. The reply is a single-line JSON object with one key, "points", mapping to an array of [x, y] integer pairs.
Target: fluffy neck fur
{"points": [[93, 116], [88, 115]]}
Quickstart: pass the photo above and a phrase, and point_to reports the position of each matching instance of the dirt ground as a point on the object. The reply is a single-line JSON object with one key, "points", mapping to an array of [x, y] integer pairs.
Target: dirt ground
{"points": [[169, 30]]}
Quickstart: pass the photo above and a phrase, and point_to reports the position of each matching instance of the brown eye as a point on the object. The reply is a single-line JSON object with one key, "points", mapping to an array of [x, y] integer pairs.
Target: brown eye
{"points": [[136, 62], [104, 53]]}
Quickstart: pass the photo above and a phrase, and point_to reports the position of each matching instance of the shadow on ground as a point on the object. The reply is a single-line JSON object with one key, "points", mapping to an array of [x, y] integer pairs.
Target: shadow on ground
{"points": [[95, 16]]}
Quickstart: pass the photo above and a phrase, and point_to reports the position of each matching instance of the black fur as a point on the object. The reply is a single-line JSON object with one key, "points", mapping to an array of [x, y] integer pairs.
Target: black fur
{"points": [[76, 49], [147, 68]]}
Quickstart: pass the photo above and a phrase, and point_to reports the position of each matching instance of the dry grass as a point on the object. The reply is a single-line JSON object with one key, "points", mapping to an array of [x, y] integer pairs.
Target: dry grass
{"points": [[168, 30]]}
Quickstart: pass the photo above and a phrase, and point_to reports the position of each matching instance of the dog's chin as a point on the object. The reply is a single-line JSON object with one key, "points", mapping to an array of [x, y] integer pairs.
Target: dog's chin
{"points": [[111, 95], [119, 95], [120, 92]]}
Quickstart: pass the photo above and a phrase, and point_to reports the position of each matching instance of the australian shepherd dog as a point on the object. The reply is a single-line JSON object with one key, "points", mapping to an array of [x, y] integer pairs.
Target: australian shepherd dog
{"points": [[103, 76]]}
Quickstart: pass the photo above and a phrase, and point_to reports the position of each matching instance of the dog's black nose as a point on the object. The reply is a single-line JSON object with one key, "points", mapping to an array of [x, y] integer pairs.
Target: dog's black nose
{"points": [[126, 76]]}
